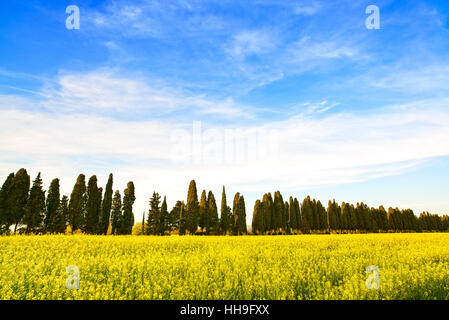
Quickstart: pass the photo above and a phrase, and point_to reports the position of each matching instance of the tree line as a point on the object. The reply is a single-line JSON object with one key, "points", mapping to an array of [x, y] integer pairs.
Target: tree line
{"points": [[274, 216], [89, 210]]}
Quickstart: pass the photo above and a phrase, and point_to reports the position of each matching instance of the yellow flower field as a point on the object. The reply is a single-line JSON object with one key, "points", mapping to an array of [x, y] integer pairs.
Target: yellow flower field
{"points": [[411, 266]]}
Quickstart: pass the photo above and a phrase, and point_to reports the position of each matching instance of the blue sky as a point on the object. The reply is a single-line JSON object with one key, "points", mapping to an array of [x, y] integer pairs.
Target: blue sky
{"points": [[258, 95]]}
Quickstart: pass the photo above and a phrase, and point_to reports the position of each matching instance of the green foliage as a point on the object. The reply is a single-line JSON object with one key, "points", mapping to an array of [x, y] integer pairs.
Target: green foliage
{"points": [[214, 223], [154, 214], [52, 206], [6, 203], [258, 224], [292, 215], [277, 220], [240, 214], [267, 204], [58, 223], [192, 209], [174, 216], [18, 198], [116, 212], [182, 221], [77, 203], [106, 206], [35, 212], [129, 197], [225, 223], [204, 212], [92, 210]]}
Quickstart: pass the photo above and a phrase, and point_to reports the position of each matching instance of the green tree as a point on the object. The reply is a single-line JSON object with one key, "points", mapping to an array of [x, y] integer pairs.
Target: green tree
{"points": [[192, 209], [224, 214], [278, 212], [92, 210], [214, 222], [292, 215], [267, 204], [182, 220], [35, 212], [52, 206], [173, 217], [307, 215], [235, 204], [258, 224], [19, 197], [163, 218], [6, 203], [116, 212], [77, 203], [154, 215], [241, 217], [106, 206], [129, 197], [58, 223], [203, 212], [298, 214]]}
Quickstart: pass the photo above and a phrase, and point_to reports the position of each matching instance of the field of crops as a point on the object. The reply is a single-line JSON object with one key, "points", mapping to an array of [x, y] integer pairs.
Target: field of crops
{"points": [[411, 266]]}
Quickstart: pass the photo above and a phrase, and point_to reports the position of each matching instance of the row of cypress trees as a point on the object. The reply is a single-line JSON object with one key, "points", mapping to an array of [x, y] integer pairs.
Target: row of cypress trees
{"points": [[274, 216], [87, 209], [90, 211], [196, 217]]}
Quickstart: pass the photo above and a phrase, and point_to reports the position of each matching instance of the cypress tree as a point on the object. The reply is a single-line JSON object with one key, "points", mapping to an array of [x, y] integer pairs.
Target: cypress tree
{"points": [[267, 211], [298, 214], [286, 219], [6, 204], [213, 223], [203, 212], [116, 212], [241, 217], [92, 212], [19, 197], [52, 205], [58, 223], [154, 215], [106, 206], [35, 212], [173, 219], [224, 215], [143, 223], [99, 225], [278, 211], [292, 215], [307, 215], [258, 225], [163, 217], [192, 209], [77, 203], [345, 214], [128, 215], [182, 221], [322, 214], [235, 209]]}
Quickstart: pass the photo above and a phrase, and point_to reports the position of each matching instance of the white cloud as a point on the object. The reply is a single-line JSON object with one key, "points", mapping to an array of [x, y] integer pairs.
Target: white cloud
{"points": [[332, 149], [106, 92], [253, 42], [307, 50], [307, 9], [417, 80]]}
